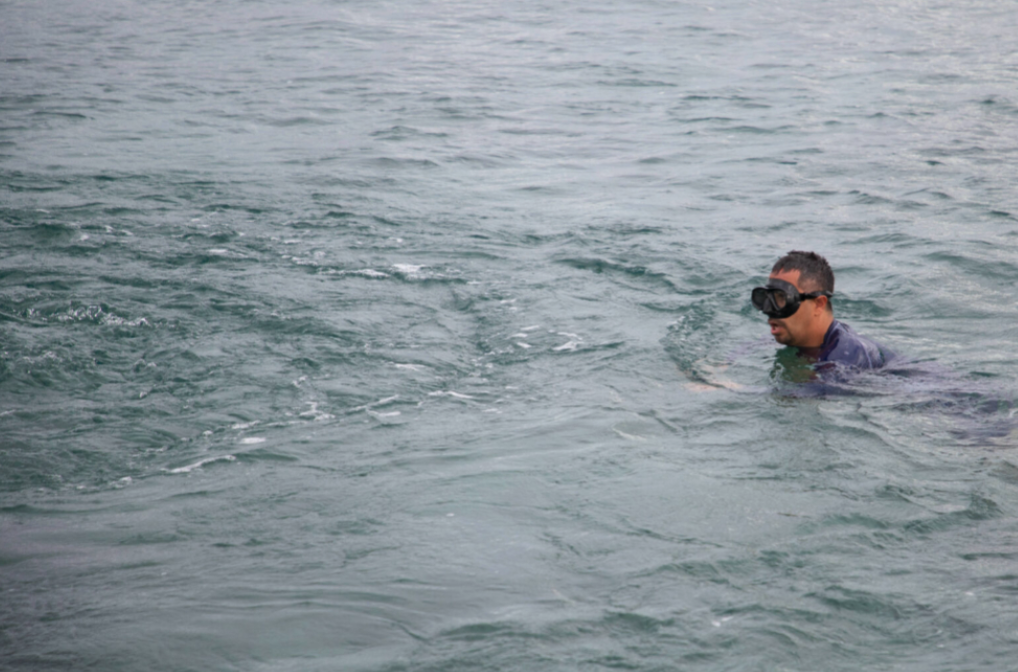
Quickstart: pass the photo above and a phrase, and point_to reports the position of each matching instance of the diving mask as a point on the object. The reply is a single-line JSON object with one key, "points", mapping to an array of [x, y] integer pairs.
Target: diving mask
{"points": [[780, 299]]}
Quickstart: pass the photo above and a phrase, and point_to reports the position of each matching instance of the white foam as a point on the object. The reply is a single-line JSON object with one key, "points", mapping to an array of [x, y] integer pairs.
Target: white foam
{"points": [[519, 335], [519, 344], [200, 463], [376, 414], [629, 437], [407, 269], [315, 414], [531, 328], [368, 273], [244, 425], [118, 321], [455, 395], [251, 440], [218, 251], [48, 355], [410, 367], [574, 341], [380, 402]]}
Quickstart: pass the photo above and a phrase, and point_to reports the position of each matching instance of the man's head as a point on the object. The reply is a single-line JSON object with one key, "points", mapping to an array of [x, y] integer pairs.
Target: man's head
{"points": [[815, 273], [810, 281]]}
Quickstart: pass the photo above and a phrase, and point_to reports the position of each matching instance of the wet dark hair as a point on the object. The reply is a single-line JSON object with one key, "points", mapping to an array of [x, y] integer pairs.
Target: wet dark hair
{"points": [[814, 271]]}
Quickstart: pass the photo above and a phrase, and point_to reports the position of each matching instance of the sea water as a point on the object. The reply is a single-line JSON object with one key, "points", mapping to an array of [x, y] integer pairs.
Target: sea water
{"points": [[350, 335]]}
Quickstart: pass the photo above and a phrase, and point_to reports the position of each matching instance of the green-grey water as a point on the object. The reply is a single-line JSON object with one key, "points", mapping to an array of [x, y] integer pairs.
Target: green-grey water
{"points": [[347, 335]]}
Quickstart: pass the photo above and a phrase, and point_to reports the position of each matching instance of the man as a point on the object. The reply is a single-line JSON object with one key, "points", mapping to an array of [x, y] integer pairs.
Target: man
{"points": [[797, 302]]}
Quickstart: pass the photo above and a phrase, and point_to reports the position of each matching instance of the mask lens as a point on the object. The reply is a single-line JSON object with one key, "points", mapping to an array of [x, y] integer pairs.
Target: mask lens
{"points": [[776, 300]]}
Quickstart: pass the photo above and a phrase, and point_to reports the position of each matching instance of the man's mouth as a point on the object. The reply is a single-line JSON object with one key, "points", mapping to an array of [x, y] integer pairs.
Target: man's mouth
{"points": [[776, 325]]}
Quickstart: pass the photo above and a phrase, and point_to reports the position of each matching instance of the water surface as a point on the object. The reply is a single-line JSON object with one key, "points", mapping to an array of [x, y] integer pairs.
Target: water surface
{"points": [[371, 335]]}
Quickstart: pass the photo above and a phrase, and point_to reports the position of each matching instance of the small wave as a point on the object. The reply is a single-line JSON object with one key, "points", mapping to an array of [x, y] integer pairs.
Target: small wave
{"points": [[605, 266], [117, 321], [99, 315], [409, 271], [299, 121], [454, 395], [388, 162], [417, 273], [568, 346], [57, 113], [200, 463], [366, 273], [316, 414], [374, 404]]}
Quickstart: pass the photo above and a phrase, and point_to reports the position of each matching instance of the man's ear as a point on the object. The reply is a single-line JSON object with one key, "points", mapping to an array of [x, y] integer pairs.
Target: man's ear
{"points": [[822, 302]]}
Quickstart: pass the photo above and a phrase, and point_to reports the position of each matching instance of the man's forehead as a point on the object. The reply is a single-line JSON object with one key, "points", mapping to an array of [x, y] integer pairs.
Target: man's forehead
{"points": [[791, 277]]}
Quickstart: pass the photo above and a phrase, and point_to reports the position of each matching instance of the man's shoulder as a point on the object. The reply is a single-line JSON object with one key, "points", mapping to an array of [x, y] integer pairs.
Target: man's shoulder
{"points": [[844, 347]]}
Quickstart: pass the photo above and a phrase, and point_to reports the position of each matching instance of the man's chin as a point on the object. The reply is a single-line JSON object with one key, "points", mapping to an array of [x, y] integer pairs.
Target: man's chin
{"points": [[780, 335]]}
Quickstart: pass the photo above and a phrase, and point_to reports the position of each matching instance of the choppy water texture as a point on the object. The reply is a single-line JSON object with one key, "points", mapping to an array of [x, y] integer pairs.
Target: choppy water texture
{"points": [[369, 335]]}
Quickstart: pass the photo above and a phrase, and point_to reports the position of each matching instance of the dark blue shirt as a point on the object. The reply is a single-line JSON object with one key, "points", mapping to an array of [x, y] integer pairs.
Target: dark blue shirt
{"points": [[844, 349]]}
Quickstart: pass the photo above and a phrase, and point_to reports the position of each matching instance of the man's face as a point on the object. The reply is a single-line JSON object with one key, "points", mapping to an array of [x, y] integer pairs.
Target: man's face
{"points": [[792, 330]]}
